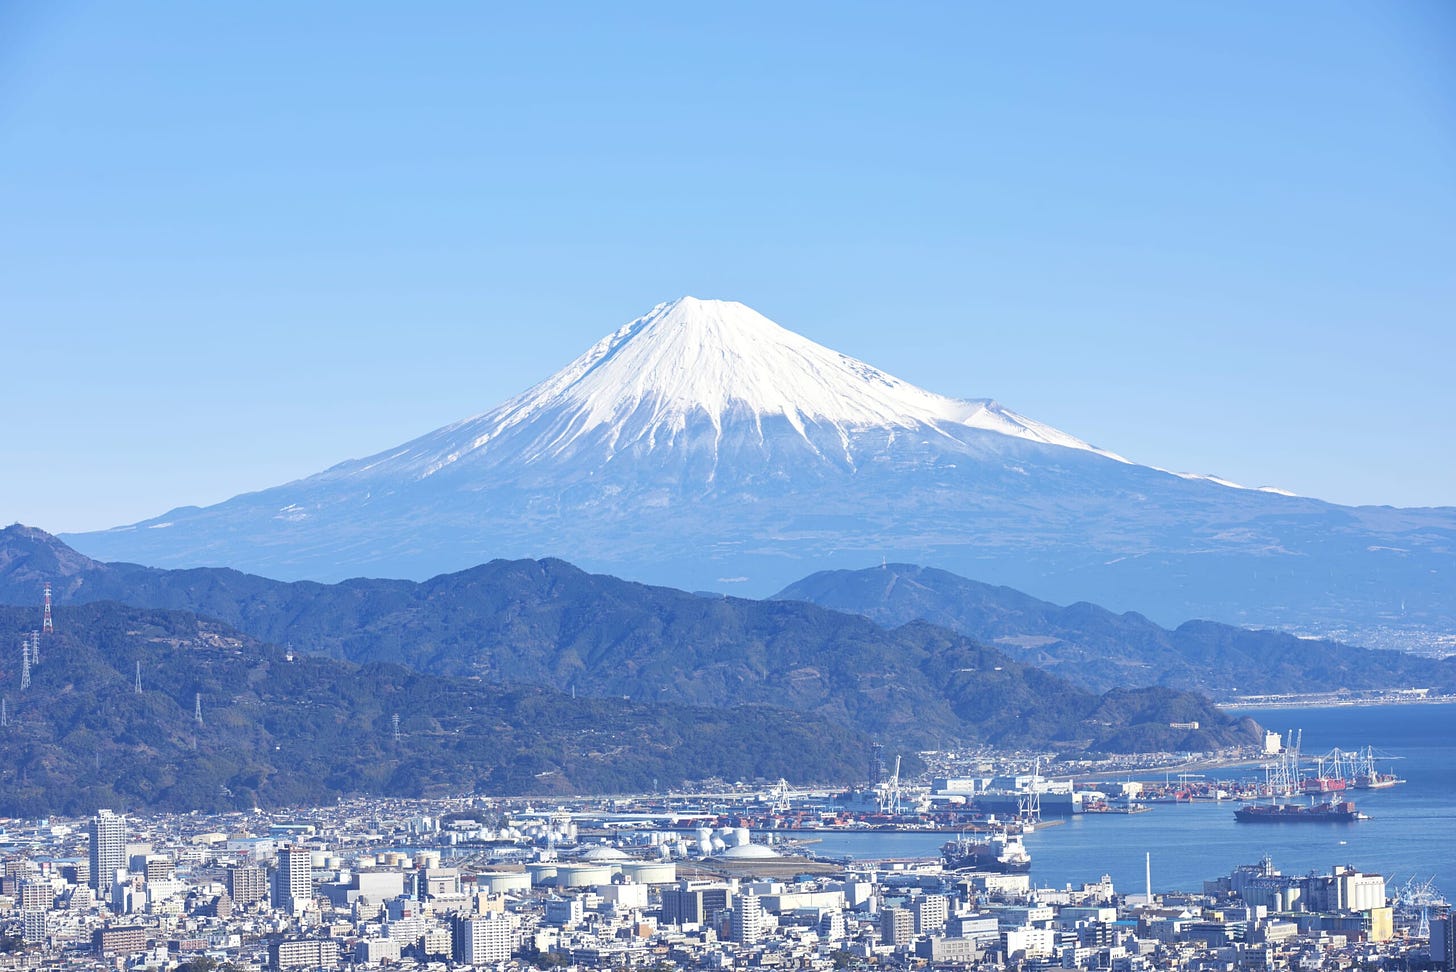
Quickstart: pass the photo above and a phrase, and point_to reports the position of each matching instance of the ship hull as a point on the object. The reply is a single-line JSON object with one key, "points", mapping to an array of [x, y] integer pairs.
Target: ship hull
{"points": [[1326, 813], [1003, 854], [985, 862]]}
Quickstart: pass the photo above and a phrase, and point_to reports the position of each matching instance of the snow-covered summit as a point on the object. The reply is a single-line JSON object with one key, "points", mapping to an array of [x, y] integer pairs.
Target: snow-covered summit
{"points": [[691, 361], [704, 446]]}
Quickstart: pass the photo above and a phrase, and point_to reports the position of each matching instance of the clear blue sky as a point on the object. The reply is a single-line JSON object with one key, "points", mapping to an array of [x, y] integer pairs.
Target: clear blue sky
{"points": [[240, 242]]}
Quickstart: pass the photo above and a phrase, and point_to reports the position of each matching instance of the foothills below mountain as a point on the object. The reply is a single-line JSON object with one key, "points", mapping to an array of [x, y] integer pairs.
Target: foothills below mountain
{"points": [[683, 659], [703, 445], [280, 729]]}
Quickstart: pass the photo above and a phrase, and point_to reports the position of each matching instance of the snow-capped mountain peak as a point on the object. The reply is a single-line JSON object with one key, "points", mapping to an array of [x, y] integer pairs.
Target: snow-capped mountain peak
{"points": [[690, 361], [705, 446]]}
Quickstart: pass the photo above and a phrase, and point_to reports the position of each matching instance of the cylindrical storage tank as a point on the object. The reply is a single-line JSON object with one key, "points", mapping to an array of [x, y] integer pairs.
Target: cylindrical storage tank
{"points": [[582, 875], [717, 843], [318, 859], [542, 874], [497, 881], [650, 872], [740, 837], [427, 859]]}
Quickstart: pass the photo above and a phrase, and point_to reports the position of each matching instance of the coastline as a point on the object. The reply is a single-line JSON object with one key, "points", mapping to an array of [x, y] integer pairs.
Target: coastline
{"points": [[1324, 700]]}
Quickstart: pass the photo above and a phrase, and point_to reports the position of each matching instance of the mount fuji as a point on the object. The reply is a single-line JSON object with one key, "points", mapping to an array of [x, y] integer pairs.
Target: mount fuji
{"points": [[704, 446]]}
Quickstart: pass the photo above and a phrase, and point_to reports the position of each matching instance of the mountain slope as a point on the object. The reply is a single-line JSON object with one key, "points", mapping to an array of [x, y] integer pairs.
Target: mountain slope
{"points": [[1094, 647], [705, 446], [549, 623], [287, 730]]}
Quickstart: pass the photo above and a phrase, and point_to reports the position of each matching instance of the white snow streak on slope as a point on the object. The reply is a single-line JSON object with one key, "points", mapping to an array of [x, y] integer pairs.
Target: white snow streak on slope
{"points": [[692, 359]]}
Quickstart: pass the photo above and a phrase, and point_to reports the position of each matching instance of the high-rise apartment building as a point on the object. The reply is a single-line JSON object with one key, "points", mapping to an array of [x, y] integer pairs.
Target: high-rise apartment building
{"points": [[108, 850], [246, 884], [897, 926], [931, 912], [293, 883], [747, 924], [484, 939]]}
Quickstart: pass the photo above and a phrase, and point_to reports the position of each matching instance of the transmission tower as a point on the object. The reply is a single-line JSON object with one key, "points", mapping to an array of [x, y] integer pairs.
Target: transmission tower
{"points": [[46, 624], [395, 721], [4, 714], [24, 666], [139, 677], [197, 708], [35, 647]]}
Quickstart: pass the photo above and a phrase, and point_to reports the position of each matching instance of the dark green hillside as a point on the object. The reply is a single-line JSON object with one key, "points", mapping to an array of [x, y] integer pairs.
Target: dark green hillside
{"points": [[281, 732], [551, 624]]}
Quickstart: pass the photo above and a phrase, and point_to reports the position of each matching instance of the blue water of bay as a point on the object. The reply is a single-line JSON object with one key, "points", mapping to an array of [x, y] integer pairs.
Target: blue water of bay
{"points": [[1412, 830]]}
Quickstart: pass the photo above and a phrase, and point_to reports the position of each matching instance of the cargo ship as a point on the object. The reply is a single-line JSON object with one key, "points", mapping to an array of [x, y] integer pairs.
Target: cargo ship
{"points": [[1368, 776], [998, 851], [1342, 812], [1376, 781]]}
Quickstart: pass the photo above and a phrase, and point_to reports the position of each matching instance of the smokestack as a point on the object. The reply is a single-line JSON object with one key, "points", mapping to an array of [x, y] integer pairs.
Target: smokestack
{"points": [[1148, 864]]}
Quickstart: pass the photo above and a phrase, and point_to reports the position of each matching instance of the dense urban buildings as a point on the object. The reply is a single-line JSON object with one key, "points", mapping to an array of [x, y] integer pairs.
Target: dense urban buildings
{"points": [[475, 883]]}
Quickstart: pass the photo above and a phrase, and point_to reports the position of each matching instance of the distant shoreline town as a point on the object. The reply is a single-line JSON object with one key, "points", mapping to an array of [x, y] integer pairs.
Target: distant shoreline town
{"points": [[1311, 700]]}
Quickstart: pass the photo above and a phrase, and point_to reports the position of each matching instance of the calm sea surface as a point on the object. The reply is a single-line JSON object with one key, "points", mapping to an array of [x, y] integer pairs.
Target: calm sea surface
{"points": [[1412, 831]]}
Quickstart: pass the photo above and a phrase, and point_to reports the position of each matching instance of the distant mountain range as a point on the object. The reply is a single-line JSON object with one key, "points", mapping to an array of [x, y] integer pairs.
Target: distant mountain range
{"points": [[547, 623], [1092, 646], [283, 730], [705, 446]]}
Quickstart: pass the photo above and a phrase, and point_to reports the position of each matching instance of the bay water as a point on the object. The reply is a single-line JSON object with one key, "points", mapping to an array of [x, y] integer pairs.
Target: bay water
{"points": [[1411, 833]]}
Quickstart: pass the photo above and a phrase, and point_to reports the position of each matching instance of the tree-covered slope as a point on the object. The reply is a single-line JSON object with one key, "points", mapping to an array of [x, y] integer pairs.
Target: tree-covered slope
{"points": [[548, 623], [280, 728]]}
